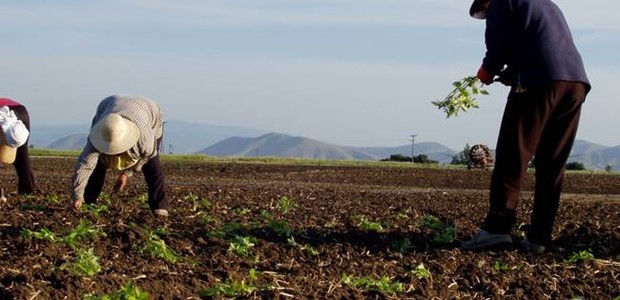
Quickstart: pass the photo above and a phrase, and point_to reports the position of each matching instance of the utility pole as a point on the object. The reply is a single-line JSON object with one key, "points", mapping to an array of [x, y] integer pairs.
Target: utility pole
{"points": [[412, 143]]}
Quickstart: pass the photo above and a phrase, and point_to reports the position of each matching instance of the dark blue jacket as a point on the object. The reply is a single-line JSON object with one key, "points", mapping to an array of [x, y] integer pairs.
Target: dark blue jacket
{"points": [[533, 39]]}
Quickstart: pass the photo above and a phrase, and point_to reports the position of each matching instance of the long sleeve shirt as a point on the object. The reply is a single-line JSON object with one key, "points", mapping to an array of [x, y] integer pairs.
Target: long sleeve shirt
{"points": [[533, 39], [142, 111]]}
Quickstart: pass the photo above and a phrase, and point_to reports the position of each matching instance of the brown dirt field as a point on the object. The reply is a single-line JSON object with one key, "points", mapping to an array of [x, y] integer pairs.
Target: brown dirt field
{"points": [[362, 222]]}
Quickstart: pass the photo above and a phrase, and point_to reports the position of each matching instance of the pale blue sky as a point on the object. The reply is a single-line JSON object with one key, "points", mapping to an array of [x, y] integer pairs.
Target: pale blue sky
{"points": [[349, 72]]}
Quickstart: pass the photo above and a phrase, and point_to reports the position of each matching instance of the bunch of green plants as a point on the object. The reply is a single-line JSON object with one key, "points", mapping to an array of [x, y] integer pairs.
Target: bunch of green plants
{"points": [[498, 267], [384, 284], [53, 198], [41, 234], [367, 225], [197, 202], [421, 272], [462, 97], [242, 245], [95, 209], [402, 245], [304, 247], [281, 227], [127, 292], [233, 288], [286, 204], [444, 233], [86, 263], [229, 230], [157, 247], [579, 256], [83, 231], [143, 198], [241, 211]]}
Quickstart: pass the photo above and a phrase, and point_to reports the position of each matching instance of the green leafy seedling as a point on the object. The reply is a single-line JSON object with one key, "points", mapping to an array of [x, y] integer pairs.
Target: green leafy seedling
{"points": [[128, 292], [305, 247], [157, 247], [229, 288], [579, 256], [443, 233], [498, 267], [286, 204], [281, 227], [83, 231], [95, 209], [41, 234], [233, 288], [462, 97], [384, 284], [242, 246], [402, 245], [366, 225], [421, 272], [86, 263], [53, 198], [197, 202]]}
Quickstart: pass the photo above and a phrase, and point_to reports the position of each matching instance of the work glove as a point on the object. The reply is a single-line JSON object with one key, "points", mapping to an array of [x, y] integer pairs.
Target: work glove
{"points": [[484, 76]]}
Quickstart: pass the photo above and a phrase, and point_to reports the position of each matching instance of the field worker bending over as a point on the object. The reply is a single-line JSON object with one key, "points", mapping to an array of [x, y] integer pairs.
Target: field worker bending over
{"points": [[530, 47], [15, 123], [125, 135]]}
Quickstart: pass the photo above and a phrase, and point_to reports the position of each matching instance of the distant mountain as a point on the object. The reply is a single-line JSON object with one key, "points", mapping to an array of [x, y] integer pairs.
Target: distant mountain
{"points": [[71, 142], [595, 156], [184, 138], [581, 147], [432, 150], [41, 136], [282, 145], [179, 137]]}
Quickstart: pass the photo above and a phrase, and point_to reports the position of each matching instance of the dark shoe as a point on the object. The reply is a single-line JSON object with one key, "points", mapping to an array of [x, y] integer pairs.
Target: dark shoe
{"points": [[485, 239], [163, 213], [528, 246]]}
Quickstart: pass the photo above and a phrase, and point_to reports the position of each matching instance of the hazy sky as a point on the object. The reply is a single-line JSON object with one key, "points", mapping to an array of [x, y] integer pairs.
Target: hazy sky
{"points": [[349, 72]]}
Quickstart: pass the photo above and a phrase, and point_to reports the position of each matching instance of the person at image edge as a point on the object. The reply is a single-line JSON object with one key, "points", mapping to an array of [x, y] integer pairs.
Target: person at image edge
{"points": [[529, 48]]}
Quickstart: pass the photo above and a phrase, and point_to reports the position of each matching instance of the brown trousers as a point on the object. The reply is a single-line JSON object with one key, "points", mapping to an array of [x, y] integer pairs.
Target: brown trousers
{"points": [[23, 167], [541, 124]]}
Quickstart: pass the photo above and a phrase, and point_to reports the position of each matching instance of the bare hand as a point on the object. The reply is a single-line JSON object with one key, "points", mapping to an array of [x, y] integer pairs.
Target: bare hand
{"points": [[77, 203], [120, 183]]}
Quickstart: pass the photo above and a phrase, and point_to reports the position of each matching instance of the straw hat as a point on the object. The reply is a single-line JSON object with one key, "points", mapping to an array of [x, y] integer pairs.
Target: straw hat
{"points": [[478, 9], [113, 134]]}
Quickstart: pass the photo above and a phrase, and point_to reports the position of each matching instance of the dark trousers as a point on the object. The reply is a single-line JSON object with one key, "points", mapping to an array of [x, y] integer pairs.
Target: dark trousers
{"points": [[23, 167], [152, 174], [541, 124]]}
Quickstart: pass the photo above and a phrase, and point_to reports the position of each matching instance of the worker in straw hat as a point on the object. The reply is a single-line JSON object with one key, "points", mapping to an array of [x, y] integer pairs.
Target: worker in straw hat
{"points": [[125, 135], [15, 123], [529, 48]]}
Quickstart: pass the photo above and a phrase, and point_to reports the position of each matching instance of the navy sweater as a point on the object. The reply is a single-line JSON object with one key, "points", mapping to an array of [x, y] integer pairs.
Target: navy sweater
{"points": [[531, 38]]}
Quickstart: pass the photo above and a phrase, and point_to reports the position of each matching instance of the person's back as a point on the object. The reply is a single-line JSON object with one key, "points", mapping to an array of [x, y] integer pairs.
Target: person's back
{"points": [[532, 37], [15, 130]]}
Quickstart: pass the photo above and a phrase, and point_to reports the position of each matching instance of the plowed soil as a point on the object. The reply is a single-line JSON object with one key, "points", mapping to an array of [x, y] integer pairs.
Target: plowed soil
{"points": [[316, 232]]}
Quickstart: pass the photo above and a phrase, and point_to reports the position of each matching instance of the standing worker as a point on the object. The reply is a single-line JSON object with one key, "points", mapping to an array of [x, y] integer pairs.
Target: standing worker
{"points": [[531, 49], [15, 123], [125, 135]]}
